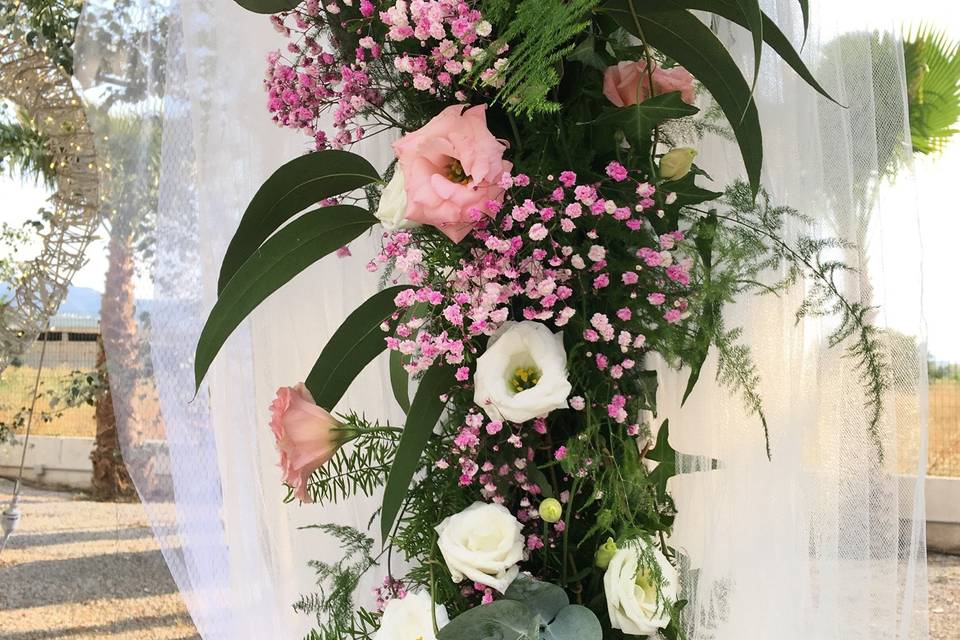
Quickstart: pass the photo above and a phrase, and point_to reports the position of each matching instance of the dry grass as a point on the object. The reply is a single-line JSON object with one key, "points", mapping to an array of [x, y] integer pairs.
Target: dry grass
{"points": [[944, 428], [16, 387]]}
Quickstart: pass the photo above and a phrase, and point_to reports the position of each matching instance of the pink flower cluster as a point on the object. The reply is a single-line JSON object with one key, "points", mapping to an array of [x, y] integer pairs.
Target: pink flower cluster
{"points": [[450, 30], [310, 79], [547, 259]]}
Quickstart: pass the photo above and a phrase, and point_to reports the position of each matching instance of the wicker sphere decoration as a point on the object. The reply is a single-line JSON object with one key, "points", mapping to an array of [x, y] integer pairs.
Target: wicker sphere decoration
{"points": [[46, 93]]}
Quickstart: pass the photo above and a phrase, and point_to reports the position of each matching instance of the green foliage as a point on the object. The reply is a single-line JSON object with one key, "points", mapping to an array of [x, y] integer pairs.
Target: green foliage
{"points": [[933, 87], [49, 25], [759, 230], [77, 388], [288, 252], [530, 610], [540, 34], [333, 605], [23, 149], [293, 187], [355, 344], [360, 466], [423, 416]]}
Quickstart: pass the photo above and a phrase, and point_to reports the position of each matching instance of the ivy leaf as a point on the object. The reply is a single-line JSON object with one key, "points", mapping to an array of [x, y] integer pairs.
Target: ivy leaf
{"points": [[268, 6], [638, 121], [682, 36], [293, 187], [664, 454], [357, 341], [290, 251], [688, 195], [500, 620], [421, 419]]}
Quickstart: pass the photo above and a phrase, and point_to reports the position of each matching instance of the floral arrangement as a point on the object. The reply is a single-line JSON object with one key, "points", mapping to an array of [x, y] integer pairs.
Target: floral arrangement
{"points": [[544, 229]]}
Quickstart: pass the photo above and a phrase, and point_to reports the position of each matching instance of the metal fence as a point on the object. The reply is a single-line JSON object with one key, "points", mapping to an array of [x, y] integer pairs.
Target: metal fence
{"points": [[71, 347], [944, 418]]}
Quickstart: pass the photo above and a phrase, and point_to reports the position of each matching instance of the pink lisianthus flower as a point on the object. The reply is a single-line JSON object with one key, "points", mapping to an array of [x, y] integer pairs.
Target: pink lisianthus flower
{"points": [[628, 83], [306, 435], [451, 166]]}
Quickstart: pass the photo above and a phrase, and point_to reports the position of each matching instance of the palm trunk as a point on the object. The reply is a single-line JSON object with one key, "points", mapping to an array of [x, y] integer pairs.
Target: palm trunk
{"points": [[115, 412]]}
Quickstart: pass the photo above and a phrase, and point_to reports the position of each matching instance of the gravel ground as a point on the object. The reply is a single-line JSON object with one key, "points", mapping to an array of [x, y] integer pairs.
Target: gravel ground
{"points": [[82, 570]]}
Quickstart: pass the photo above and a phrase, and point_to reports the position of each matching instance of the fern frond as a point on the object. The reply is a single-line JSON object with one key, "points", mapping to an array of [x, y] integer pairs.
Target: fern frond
{"points": [[539, 33]]}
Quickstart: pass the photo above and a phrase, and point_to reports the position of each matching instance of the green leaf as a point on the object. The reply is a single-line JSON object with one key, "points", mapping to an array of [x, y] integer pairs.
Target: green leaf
{"points": [[647, 381], [400, 380], [753, 16], [357, 341], [664, 454], [268, 6], [805, 10], [682, 36], [772, 34], [638, 121], [704, 235], [293, 249], [293, 187], [421, 419], [500, 620], [575, 622], [540, 479], [542, 598], [688, 193]]}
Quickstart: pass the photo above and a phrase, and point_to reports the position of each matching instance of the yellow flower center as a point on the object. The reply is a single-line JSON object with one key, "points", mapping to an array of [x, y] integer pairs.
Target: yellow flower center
{"points": [[645, 585], [455, 172], [524, 378]]}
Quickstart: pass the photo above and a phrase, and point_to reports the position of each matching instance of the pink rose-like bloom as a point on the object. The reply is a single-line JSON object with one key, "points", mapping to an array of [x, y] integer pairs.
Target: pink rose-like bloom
{"points": [[306, 436], [451, 166], [628, 83]]}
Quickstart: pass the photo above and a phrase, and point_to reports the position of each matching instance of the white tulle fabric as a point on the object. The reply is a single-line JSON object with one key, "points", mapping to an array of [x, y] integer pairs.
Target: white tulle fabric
{"points": [[820, 543]]}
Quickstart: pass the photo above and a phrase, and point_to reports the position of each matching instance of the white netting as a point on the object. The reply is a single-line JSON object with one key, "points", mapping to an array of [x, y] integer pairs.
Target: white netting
{"points": [[822, 543]]}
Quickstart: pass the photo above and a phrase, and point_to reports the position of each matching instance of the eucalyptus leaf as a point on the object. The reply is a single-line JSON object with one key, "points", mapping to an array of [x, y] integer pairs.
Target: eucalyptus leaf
{"points": [[771, 33], [291, 250], [421, 419], [268, 6], [543, 598], [292, 188], [574, 622], [500, 620], [400, 380], [357, 341]]}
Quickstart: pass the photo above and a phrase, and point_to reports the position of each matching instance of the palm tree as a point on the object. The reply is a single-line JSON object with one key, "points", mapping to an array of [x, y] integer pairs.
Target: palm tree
{"points": [[932, 63]]}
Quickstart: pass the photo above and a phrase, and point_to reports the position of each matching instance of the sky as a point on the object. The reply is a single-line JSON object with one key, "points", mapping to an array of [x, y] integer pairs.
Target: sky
{"points": [[936, 195]]}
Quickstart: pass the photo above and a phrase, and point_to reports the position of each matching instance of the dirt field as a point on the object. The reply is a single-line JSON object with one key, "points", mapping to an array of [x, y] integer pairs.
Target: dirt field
{"points": [[16, 387], [944, 428]]}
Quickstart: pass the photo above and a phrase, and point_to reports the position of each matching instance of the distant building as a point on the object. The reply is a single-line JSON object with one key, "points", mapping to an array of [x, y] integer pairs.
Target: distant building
{"points": [[71, 344]]}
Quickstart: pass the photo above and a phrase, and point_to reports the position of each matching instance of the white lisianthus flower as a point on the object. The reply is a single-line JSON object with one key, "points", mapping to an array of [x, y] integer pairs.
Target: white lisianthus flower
{"points": [[410, 617], [392, 211], [482, 543], [637, 600], [523, 373]]}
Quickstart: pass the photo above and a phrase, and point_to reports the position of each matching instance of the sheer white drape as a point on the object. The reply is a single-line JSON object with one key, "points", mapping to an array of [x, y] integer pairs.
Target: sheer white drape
{"points": [[823, 542]]}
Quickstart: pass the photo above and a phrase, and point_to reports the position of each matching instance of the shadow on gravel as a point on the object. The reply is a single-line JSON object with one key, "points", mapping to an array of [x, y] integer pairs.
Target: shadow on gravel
{"points": [[27, 540], [140, 624], [113, 576]]}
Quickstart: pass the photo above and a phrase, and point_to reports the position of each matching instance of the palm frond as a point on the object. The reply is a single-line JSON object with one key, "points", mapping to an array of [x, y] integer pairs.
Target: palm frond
{"points": [[932, 62]]}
